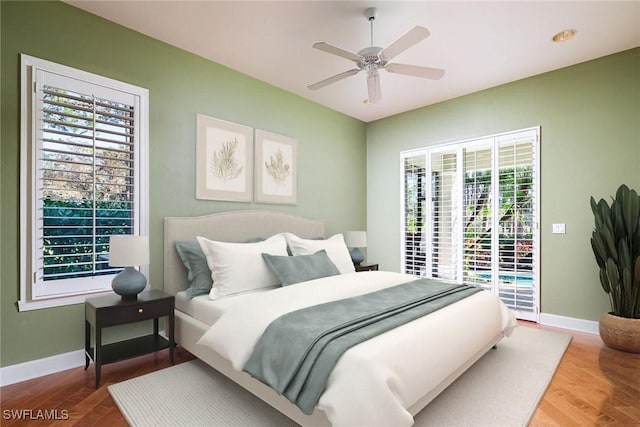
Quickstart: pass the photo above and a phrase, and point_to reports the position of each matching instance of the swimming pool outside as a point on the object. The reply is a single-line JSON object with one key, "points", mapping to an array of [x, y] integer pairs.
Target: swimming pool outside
{"points": [[515, 289], [509, 278]]}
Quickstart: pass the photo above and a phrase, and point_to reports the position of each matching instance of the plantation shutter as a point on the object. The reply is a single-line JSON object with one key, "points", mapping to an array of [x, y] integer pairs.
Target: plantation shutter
{"points": [[480, 225], [478, 213], [517, 220], [414, 210], [445, 215], [86, 180]]}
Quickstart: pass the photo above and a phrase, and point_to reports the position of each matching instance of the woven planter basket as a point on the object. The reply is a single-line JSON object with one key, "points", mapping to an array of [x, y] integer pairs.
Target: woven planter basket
{"points": [[621, 333]]}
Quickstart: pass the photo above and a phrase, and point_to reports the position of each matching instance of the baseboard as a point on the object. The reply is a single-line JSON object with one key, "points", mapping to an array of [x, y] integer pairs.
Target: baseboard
{"points": [[40, 367], [572, 323]]}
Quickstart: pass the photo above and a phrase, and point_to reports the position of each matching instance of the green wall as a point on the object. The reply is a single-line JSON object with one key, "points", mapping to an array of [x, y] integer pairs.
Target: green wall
{"points": [[589, 115], [590, 144], [331, 146]]}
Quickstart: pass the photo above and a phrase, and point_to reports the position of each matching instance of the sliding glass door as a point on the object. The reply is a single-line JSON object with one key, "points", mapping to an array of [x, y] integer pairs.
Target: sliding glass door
{"points": [[470, 215]]}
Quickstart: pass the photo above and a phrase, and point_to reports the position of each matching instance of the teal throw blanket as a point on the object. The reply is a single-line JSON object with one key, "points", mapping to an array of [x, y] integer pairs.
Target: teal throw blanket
{"points": [[298, 350]]}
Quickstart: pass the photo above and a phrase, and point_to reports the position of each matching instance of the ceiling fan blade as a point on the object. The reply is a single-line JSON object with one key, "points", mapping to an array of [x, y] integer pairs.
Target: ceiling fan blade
{"points": [[415, 71], [373, 87], [333, 79], [405, 41], [337, 51]]}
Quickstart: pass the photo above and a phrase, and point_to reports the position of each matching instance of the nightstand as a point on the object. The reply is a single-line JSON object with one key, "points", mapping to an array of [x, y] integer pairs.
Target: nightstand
{"points": [[112, 310], [367, 267]]}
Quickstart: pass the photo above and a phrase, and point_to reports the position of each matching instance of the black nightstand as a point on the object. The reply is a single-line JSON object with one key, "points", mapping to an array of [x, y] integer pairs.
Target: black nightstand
{"points": [[112, 310], [367, 267]]}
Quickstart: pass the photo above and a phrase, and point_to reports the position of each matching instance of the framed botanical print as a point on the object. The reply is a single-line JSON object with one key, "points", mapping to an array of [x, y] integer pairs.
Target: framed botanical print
{"points": [[224, 160], [275, 168]]}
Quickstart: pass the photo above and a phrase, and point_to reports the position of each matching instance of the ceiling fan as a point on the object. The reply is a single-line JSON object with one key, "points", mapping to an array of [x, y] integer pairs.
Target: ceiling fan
{"points": [[371, 59]]}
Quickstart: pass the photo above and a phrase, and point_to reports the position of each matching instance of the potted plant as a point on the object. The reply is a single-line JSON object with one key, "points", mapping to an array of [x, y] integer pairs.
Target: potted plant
{"points": [[616, 245]]}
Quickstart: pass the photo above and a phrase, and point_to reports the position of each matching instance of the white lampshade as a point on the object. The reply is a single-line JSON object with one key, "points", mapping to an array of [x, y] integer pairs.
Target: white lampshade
{"points": [[356, 239], [126, 250]]}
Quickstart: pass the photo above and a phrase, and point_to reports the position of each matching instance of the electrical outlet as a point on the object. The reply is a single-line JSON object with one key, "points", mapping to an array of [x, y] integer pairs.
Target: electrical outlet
{"points": [[559, 229]]}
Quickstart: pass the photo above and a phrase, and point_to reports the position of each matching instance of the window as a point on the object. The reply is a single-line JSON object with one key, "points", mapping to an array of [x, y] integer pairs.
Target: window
{"points": [[470, 215], [84, 169]]}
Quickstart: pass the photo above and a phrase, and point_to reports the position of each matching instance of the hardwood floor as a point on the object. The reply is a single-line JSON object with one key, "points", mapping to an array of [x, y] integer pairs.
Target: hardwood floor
{"points": [[593, 386], [74, 395]]}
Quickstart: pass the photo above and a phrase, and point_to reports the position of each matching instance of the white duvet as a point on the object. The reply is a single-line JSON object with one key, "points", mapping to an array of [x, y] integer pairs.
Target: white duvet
{"points": [[376, 382]]}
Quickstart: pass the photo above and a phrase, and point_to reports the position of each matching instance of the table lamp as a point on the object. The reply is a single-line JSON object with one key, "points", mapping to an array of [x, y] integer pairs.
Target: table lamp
{"points": [[128, 251], [356, 240]]}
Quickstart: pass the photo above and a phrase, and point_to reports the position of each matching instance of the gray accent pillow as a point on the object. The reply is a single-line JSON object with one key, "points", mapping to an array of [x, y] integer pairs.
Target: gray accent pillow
{"points": [[194, 260], [295, 269]]}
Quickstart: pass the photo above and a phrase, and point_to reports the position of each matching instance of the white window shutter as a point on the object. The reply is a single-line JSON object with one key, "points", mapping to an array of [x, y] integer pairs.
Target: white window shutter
{"points": [[479, 225], [87, 178]]}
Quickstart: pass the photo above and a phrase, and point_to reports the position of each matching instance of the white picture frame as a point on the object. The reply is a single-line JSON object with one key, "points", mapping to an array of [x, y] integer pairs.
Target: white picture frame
{"points": [[276, 168], [224, 160]]}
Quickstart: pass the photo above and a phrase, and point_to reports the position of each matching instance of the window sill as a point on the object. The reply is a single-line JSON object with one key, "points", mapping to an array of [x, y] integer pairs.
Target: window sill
{"points": [[25, 305]]}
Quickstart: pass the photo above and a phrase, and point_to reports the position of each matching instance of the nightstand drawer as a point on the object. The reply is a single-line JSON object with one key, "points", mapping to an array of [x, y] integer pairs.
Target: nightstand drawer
{"points": [[135, 312]]}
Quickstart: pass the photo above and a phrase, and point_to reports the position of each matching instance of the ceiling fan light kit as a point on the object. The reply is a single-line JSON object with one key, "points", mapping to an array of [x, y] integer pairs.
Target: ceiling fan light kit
{"points": [[372, 59]]}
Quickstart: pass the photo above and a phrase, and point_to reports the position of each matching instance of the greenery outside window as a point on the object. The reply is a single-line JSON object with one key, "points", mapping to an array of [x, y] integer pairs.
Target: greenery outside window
{"points": [[84, 175]]}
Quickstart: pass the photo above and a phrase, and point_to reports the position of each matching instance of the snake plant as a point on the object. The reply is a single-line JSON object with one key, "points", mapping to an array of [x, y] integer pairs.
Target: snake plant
{"points": [[616, 245]]}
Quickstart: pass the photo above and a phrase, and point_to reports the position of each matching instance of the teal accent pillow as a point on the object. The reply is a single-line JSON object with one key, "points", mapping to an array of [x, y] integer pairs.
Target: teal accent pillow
{"points": [[295, 269], [194, 260]]}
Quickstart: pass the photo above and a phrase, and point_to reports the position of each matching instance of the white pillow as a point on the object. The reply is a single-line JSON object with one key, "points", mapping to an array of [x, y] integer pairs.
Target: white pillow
{"points": [[239, 267], [334, 246]]}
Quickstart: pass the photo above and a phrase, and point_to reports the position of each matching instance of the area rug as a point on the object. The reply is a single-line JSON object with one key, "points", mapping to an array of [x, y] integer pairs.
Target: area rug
{"points": [[502, 389]]}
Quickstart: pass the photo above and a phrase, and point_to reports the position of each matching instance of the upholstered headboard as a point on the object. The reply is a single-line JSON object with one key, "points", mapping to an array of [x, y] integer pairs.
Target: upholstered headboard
{"points": [[234, 226]]}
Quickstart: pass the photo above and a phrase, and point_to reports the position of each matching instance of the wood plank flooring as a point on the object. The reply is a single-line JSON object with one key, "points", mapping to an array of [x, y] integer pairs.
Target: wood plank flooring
{"points": [[74, 391], [593, 386]]}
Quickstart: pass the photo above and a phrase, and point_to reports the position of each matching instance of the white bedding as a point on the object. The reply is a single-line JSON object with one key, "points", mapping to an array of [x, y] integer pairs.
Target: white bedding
{"points": [[377, 382], [206, 310]]}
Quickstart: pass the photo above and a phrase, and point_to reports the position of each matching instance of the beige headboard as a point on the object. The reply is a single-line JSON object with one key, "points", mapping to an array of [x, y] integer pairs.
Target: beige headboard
{"points": [[234, 226]]}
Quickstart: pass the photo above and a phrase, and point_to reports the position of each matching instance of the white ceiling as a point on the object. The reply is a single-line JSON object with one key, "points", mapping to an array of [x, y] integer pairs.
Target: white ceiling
{"points": [[480, 44]]}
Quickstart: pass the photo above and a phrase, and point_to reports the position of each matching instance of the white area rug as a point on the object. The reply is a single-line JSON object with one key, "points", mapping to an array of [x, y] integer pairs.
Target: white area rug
{"points": [[501, 389]]}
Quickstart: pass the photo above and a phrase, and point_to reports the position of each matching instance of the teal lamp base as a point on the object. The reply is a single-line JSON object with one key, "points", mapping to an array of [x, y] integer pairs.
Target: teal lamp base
{"points": [[129, 283], [357, 256]]}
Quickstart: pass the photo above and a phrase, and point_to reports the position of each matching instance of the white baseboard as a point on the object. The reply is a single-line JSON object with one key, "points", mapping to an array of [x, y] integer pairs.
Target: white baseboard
{"points": [[40, 367], [572, 323]]}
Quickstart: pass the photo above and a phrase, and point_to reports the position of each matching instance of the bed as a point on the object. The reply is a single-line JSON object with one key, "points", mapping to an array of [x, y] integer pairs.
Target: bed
{"points": [[383, 381]]}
